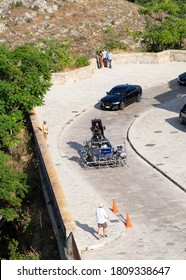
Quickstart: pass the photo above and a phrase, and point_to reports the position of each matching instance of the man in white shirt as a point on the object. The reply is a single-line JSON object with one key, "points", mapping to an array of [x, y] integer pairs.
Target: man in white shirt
{"points": [[101, 217], [109, 58], [45, 129], [104, 56]]}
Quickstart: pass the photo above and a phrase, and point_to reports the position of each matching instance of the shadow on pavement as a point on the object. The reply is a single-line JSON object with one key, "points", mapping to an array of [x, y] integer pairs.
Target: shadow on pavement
{"points": [[176, 91], [74, 145], [176, 124], [86, 227]]}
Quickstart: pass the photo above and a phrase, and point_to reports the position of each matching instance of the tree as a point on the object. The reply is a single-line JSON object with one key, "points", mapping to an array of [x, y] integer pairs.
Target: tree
{"points": [[25, 76], [32, 78], [12, 189], [24, 79], [10, 125], [166, 26]]}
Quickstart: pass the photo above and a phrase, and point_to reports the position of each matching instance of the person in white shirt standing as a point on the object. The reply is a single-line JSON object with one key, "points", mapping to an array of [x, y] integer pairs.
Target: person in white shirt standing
{"points": [[45, 129], [109, 58], [104, 56], [101, 217]]}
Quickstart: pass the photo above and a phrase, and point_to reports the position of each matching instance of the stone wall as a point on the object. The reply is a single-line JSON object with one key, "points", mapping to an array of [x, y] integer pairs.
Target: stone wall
{"points": [[145, 58], [60, 216], [75, 75]]}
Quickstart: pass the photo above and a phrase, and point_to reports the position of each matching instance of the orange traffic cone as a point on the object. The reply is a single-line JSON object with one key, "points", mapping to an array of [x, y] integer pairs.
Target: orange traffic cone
{"points": [[114, 208], [128, 223]]}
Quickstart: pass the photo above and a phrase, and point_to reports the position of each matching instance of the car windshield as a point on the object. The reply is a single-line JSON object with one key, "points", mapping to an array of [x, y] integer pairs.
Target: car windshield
{"points": [[117, 91]]}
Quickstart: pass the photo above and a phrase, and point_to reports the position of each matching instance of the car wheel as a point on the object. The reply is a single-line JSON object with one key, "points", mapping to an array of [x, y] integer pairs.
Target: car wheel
{"points": [[138, 97], [122, 105], [181, 120]]}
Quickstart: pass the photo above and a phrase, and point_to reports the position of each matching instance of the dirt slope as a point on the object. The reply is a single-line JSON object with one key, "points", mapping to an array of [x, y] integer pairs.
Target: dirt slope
{"points": [[90, 23]]}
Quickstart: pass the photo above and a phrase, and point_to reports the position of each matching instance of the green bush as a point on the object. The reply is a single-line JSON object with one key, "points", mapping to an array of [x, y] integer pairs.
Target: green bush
{"points": [[115, 45], [108, 29], [127, 31], [81, 61], [137, 35], [14, 253]]}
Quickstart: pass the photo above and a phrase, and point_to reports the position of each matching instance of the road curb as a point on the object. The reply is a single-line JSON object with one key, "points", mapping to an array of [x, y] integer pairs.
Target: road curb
{"points": [[150, 163]]}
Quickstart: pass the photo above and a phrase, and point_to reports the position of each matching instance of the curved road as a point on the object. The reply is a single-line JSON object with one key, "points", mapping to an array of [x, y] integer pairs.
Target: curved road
{"points": [[156, 205]]}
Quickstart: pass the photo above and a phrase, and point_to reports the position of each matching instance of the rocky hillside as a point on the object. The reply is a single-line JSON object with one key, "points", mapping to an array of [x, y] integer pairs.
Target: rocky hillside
{"points": [[89, 23]]}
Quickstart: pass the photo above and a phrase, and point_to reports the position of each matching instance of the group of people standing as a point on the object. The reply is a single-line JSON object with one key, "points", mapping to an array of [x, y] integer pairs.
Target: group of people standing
{"points": [[104, 59]]}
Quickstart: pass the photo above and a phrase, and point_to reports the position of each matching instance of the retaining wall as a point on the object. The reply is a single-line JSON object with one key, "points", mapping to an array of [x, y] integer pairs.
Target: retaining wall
{"points": [[145, 58], [61, 218]]}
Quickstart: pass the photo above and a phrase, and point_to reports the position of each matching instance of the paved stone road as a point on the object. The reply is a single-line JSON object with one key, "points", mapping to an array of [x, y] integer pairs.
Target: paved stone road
{"points": [[156, 206]]}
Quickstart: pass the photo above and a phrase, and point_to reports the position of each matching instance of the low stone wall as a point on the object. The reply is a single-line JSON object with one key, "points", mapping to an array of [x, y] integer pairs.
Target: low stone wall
{"points": [[151, 58], [75, 75], [177, 55], [145, 58]]}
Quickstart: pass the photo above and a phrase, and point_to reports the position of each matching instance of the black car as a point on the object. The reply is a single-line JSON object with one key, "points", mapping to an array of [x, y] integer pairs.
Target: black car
{"points": [[182, 115], [120, 96], [182, 79]]}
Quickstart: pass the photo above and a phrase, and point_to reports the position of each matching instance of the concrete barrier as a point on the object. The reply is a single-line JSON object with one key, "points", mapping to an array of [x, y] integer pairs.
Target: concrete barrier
{"points": [[178, 55], [75, 75]]}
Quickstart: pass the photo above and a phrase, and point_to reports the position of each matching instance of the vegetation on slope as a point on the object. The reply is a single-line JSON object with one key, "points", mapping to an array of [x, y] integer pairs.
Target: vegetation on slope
{"points": [[25, 76]]}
